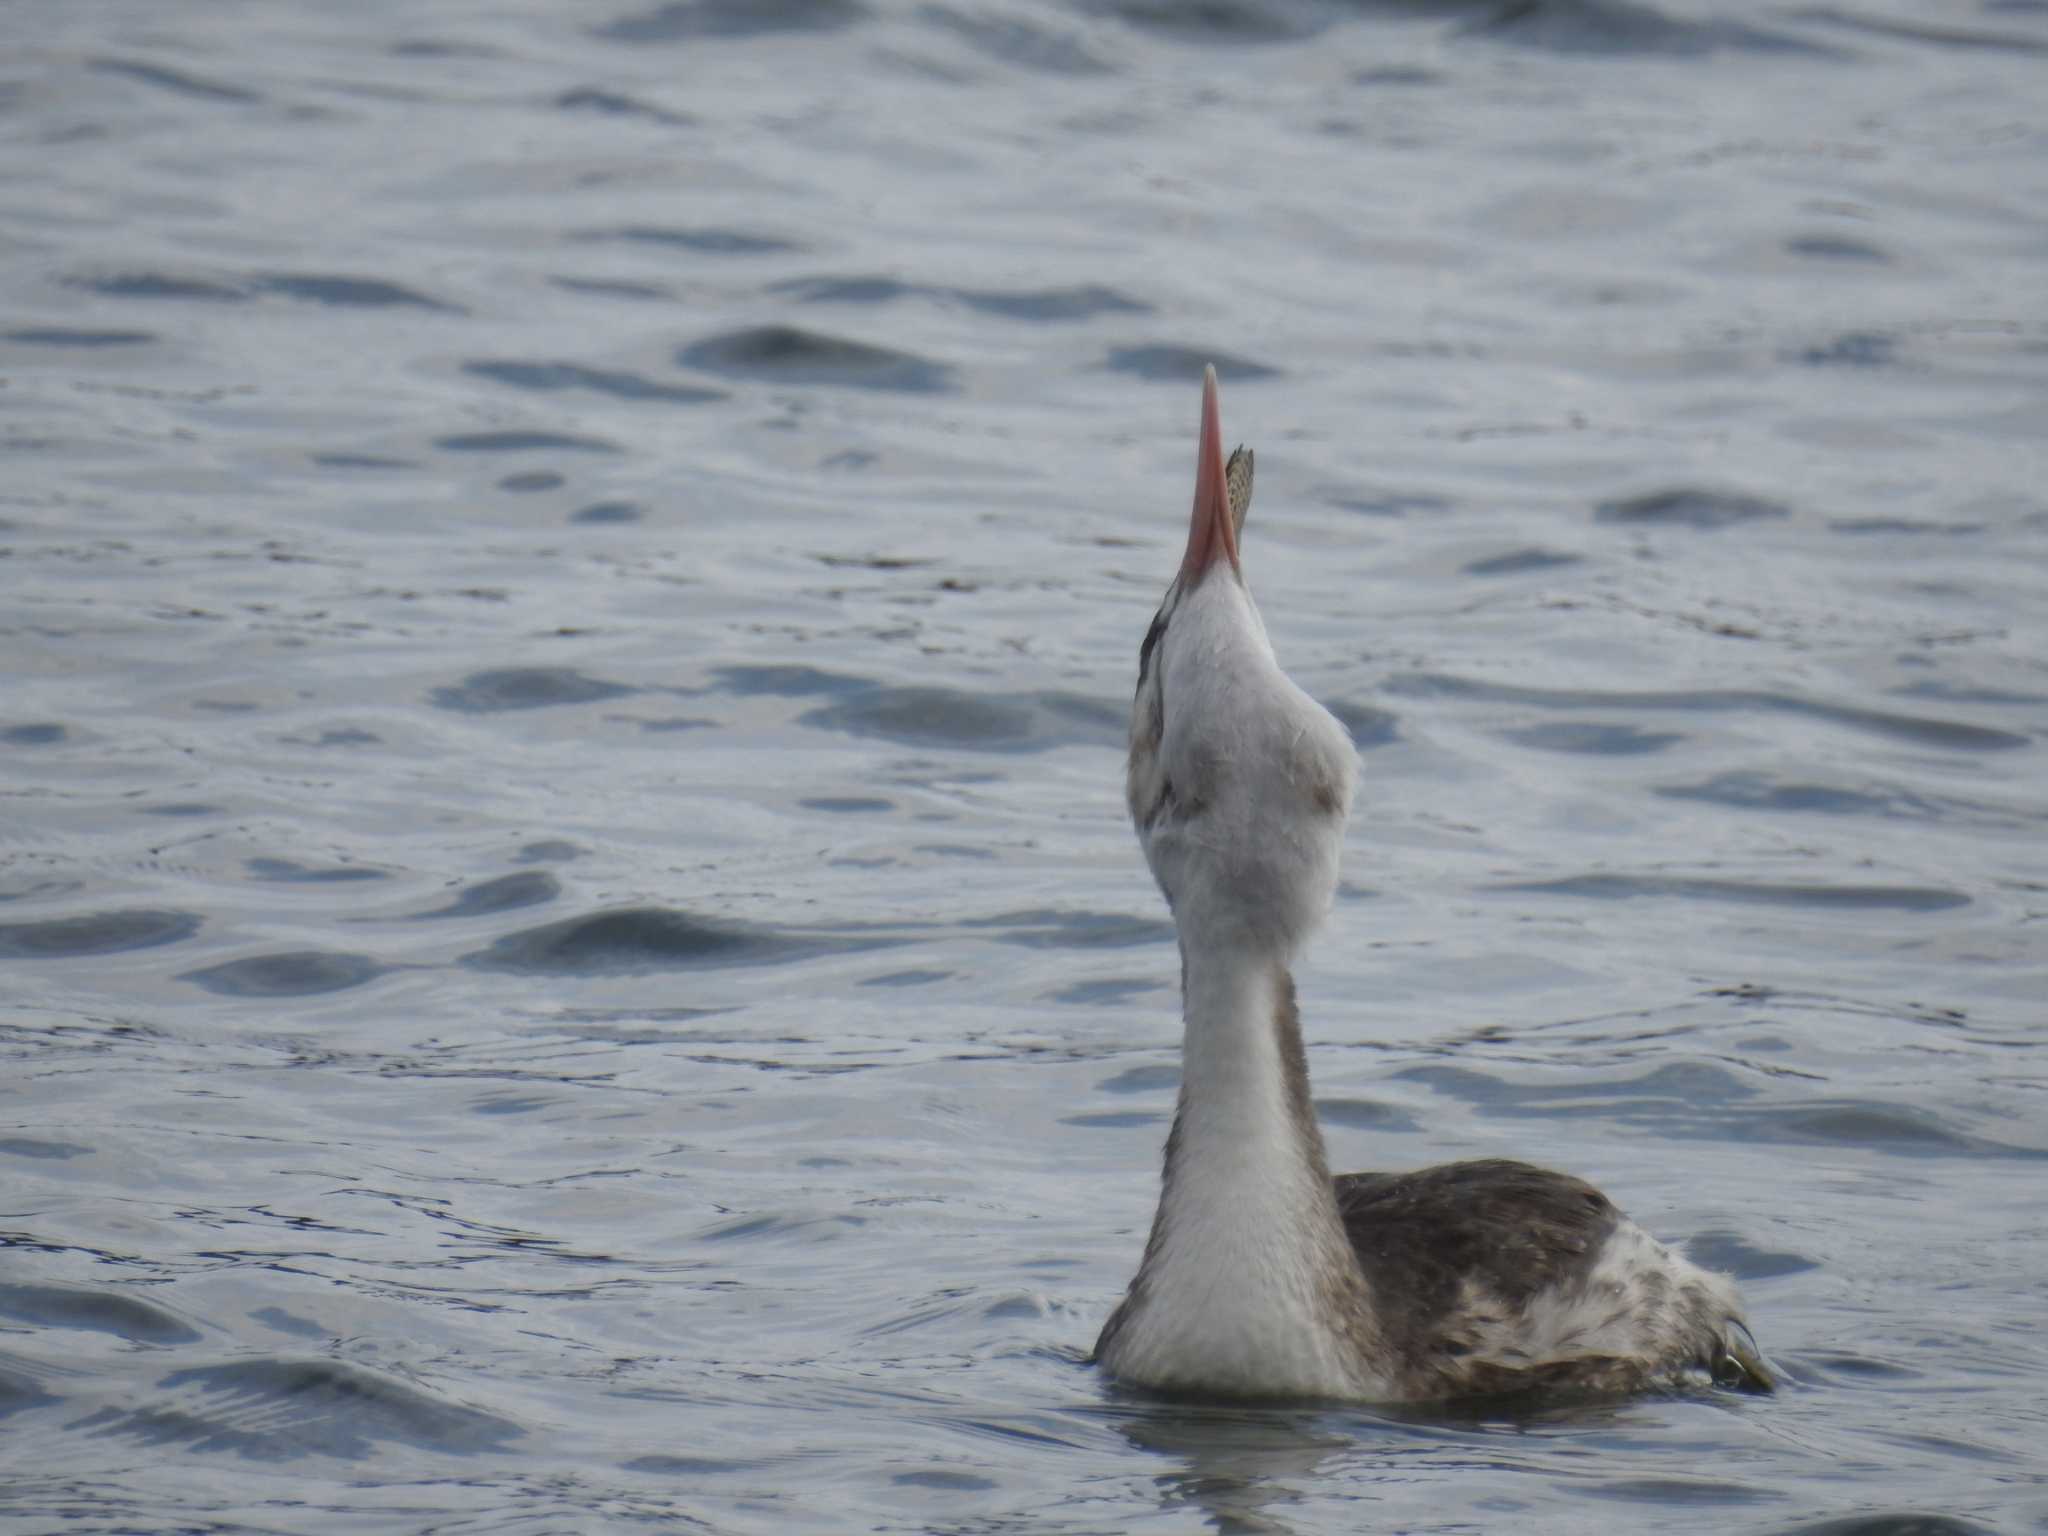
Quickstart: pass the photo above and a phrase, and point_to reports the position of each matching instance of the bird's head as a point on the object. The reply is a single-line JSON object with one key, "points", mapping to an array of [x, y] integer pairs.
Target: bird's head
{"points": [[1239, 782]]}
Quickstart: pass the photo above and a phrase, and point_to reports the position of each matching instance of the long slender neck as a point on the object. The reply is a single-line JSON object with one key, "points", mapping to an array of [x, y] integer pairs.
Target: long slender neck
{"points": [[1245, 1115], [1249, 1279]]}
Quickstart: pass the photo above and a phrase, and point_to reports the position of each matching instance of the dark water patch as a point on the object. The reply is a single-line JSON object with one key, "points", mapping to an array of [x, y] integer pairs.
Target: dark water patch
{"points": [[159, 285], [530, 481], [289, 872], [1852, 349], [1729, 1254], [1760, 792], [1901, 1130], [590, 98], [341, 292], [619, 384], [1112, 1119], [704, 242], [786, 354], [553, 850], [47, 1151], [611, 287], [637, 940], [874, 562], [1369, 727], [183, 808], [847, 290], [339, 736], [1104, 993], [276, 1409], [1183, 365], [506, 893], [1039, 305], [506, 688], [1680, 1492], [22, 1391], [441, 48], [945, 1480], [684, 20], [1850, 898], [523, 442], [1518, 562], [33, 734], [1152, 1079], [846, 805], [288, 973], [1043, 928], [680, 723], [957, 851], [68, 336], [95, 933], [1970, 693], [1626, 29], [1052, 304], [124, 1315], [1365, 1115], [1949, 735], [784, 682], [359, 461], [1688, 507], [1396, 74], [175, 81], [1594, 737], [1219, 21], [1387, 503], [1836, 248], [778, 1224], [1682, 1084], [1015, 40], [1862, 526], [1918, 32], [1897, 1523], [906, 978], [607, 512], [967, 721]]}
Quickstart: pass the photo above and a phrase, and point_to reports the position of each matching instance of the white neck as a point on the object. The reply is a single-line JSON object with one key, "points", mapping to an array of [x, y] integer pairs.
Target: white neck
{"points": [[1249, 1281]]}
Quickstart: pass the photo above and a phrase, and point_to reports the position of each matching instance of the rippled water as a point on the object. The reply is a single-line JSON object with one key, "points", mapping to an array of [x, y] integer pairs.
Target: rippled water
{"points": [[572, 956]]}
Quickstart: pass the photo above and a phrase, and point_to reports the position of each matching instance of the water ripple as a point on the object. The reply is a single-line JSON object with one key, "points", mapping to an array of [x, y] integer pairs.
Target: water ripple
{"points": [[787, 354]]}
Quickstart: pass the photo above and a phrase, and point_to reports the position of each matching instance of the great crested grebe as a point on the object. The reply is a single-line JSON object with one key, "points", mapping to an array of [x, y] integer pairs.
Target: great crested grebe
{"points": [[1264, 1276]]}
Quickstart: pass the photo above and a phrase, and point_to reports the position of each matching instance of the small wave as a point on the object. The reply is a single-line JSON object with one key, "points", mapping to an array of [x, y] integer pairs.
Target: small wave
{"points": [[1690, 508], [290, 973], [507, 893], [787, 354], [1955, 735], [683, 20], [1861, 898], [636, 940], [523, 442], [95, 933], [278, 1409], [616, 382], [984, 722], [121, 1314], [506, 688]]}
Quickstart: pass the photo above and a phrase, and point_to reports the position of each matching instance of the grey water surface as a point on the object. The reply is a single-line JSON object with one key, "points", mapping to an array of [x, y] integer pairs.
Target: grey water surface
{"points": [[570, 953]]}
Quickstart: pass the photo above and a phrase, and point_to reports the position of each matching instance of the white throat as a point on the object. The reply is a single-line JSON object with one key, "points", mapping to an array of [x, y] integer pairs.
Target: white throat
{"points": [[1249, 1284]]}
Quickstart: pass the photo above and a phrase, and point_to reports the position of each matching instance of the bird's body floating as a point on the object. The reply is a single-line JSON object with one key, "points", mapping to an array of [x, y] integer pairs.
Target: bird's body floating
{"points": [[1264, 1276]]}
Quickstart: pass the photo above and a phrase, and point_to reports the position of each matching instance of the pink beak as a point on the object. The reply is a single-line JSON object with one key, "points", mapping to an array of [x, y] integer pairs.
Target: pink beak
{"points": [[1210, 536]]}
